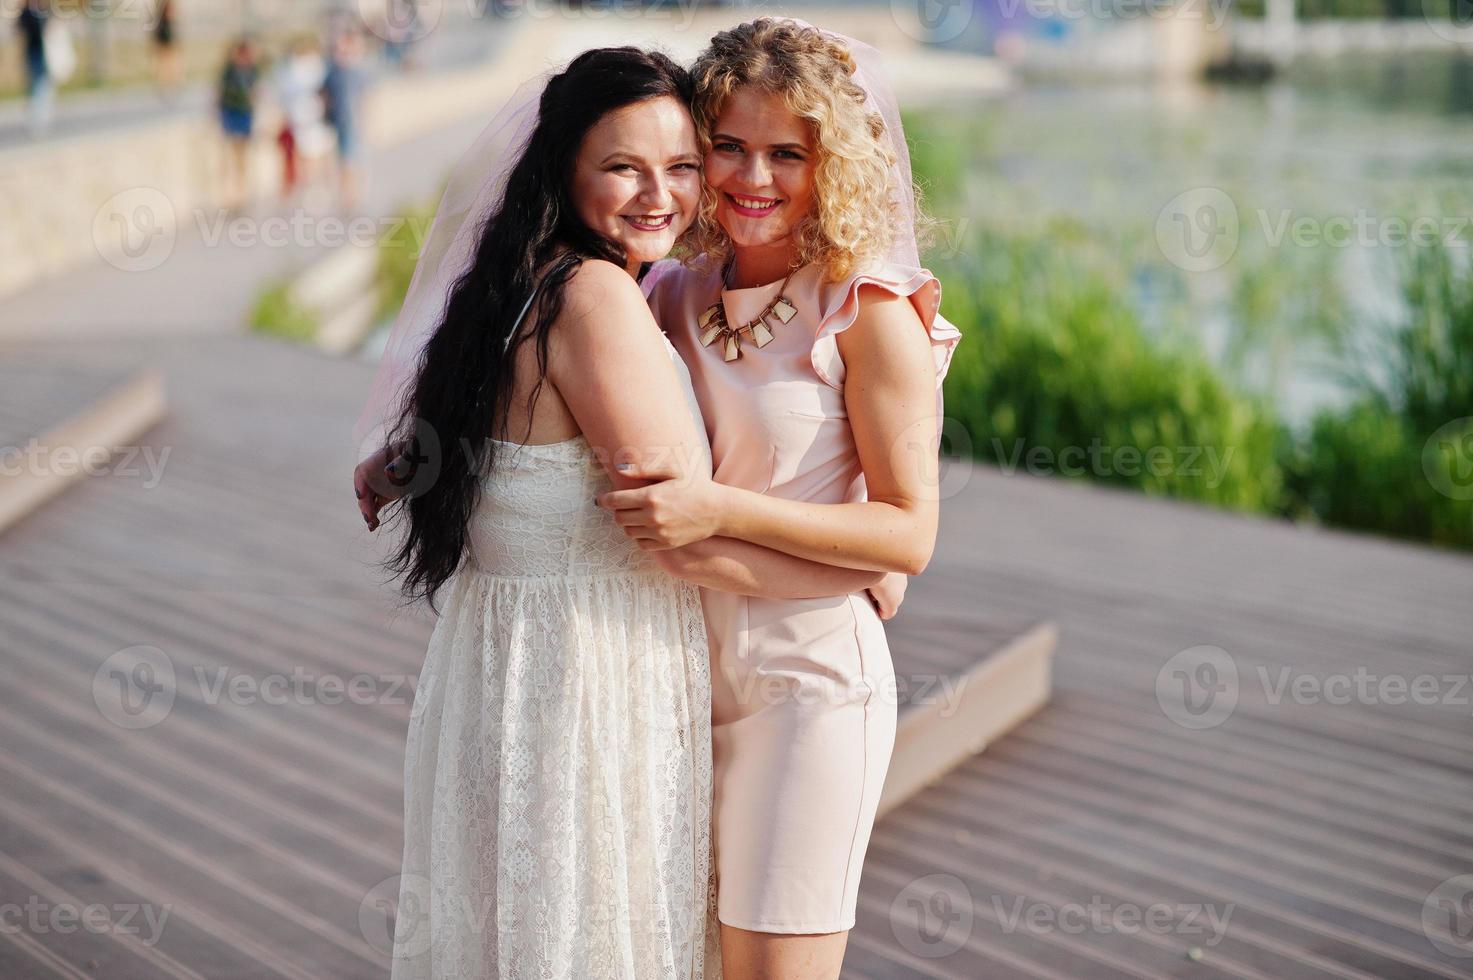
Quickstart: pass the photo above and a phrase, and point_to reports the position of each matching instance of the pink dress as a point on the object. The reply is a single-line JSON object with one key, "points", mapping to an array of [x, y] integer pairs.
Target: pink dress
{"points": [[803, 693]]}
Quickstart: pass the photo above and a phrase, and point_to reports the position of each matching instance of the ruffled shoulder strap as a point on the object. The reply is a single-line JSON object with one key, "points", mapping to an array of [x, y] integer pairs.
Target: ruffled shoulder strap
{"points": [[839, 303]]}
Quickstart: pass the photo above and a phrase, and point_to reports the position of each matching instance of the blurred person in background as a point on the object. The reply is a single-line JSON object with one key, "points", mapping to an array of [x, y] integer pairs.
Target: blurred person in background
{"points": [[304, 137], [40, 89], [342, 92], [166, 52], [237, 97]]}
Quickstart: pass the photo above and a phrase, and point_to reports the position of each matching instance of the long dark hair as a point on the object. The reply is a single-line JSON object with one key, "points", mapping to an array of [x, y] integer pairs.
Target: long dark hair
{"points": [[459, 401]]}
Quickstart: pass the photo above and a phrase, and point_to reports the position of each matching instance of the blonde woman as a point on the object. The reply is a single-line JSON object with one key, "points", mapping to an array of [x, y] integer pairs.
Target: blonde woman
{"points": [[816, 351]]}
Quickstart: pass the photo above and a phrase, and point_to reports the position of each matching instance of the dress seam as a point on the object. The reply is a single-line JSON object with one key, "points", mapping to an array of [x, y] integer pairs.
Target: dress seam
{"points": [[790, 928], [864, 749]]}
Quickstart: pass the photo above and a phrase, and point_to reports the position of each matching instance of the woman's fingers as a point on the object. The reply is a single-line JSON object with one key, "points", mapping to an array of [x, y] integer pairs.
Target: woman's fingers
{"points": [[633, 518], [368, 500], [617, 500]]}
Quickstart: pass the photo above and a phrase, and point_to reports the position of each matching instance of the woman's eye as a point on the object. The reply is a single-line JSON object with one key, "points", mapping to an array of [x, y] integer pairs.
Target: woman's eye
{"points": [[728, 147], [788, 155], [686, 166], [622, 167]]}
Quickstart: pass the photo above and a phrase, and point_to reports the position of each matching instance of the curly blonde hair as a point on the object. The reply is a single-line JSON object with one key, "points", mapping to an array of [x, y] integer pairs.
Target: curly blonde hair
{"points": [[813, 74]]}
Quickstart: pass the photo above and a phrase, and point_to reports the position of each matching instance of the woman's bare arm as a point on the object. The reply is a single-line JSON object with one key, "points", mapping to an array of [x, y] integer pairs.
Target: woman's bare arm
{"points": [[604, 337], [729, 565]]}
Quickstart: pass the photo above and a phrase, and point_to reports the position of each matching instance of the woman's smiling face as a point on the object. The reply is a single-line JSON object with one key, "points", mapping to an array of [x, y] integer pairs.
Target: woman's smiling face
{"points": [[637, 177], [761, 167]]}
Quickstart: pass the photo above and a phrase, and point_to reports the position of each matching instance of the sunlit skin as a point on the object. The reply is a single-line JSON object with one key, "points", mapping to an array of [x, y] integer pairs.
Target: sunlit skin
{"points": [[637, 177], [761, 167]]}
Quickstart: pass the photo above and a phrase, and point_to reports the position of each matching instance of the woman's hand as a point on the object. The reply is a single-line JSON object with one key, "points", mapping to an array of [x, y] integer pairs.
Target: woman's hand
{"points": [[669, 514], [889, 594], [376, 484]]}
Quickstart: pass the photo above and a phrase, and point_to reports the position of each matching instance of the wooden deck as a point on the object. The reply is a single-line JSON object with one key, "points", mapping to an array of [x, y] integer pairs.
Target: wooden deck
{"points": [[1324, 834], [1319, 831]]}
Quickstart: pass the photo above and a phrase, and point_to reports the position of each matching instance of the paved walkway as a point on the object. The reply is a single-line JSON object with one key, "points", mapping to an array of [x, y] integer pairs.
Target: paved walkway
{"points": [[210, 280]]}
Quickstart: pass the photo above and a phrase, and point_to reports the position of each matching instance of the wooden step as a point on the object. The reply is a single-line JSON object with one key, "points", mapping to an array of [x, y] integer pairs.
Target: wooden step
{"points": [[58, 421], [948, 717]]}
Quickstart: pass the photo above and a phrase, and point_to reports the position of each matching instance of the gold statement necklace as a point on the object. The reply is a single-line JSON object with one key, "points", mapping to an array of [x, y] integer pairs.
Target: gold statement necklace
{"points": [[713, 323]]}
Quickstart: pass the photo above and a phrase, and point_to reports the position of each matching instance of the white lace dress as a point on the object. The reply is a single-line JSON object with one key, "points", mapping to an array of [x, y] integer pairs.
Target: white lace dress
{"points": [[557, 772]]}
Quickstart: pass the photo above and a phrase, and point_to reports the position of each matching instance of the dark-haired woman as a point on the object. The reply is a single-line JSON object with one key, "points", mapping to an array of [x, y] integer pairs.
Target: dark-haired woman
{"points": [[558, 762]]}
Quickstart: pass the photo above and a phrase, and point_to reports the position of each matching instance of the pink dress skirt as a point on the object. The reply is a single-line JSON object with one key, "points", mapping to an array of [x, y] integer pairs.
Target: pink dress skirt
{"points": [[803, 691]]}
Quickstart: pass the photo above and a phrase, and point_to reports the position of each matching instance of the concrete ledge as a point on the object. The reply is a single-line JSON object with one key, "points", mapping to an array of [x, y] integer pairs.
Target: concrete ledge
{"points": [[995, 696], [119, 417]]}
